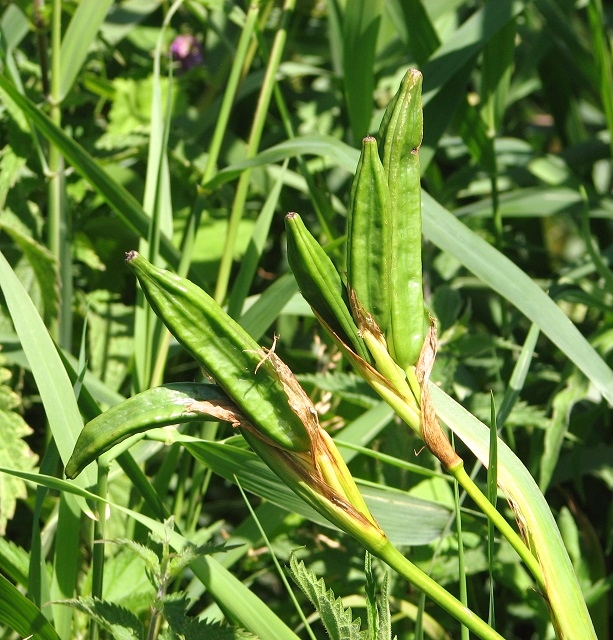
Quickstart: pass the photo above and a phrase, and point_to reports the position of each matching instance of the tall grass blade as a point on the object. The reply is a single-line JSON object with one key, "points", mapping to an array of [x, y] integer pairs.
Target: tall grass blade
{"points": [[80, 34], [361, 23], [51, 379]]}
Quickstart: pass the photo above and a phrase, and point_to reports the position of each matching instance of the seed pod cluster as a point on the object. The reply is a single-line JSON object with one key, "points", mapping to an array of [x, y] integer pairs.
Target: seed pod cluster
{"points": [[224, 350], [384, 271], [384, 228]]}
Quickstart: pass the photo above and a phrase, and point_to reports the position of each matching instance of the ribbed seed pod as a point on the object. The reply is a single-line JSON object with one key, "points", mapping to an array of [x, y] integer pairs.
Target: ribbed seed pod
{"points": [[400, 137], [225, 350], [320, 283], [368, 239]]}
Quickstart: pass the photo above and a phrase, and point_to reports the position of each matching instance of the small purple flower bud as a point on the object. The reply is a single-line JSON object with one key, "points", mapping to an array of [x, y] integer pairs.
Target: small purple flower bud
{"points": [[187, 51]]}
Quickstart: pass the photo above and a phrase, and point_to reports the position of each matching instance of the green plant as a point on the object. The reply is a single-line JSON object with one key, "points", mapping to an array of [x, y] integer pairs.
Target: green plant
{"points": [[516, 169]]}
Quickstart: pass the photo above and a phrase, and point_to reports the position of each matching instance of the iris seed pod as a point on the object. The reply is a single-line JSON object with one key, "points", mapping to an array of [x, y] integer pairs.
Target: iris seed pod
{"points": [[226, 352], [368, 251], [320, 283], [157, 407], [400, 137]]}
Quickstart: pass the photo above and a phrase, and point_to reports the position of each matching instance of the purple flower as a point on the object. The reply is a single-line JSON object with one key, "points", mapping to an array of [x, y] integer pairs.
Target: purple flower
{"points": [[187, 51]]}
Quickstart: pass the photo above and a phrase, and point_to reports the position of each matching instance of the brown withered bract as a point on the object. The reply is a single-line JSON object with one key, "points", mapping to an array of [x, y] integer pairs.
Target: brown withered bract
{"points": [[432, 432]]}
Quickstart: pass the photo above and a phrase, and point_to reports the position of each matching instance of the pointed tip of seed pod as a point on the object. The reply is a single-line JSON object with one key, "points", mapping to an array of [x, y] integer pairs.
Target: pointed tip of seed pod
{"points": [[130, 255], [369, 139], [291, 215]]}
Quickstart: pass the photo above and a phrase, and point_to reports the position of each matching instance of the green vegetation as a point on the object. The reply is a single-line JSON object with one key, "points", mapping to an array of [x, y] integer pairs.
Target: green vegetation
{"points": [[311, 396]]}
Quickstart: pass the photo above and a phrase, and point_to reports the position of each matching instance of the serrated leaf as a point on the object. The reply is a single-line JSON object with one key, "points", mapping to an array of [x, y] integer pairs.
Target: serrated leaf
{"points": [[14, 452], [149, 557], [14, 561], [189, 628], [377, 603], [189, 554], [338, 621], [119, 622]]}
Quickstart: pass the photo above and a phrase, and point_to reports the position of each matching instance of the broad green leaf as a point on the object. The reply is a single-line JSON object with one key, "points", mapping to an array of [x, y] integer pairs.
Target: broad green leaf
{"points": [[362, 19], [392, 509], [21, 615], [507, 279]]}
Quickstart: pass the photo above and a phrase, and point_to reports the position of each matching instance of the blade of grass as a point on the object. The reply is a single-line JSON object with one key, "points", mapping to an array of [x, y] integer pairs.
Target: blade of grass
{"points": [[504, 277], [51, 379], [461, 559], [492, 495], [59, 221], [361, 24], [149, 334], [258, 318], [255, 136], [601, 48], [280, 571], [252, 256], [65, 563], [81, 32]]}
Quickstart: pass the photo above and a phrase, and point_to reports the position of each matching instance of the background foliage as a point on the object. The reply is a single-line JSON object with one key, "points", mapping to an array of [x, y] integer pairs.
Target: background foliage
{"points": [[518, 115]]}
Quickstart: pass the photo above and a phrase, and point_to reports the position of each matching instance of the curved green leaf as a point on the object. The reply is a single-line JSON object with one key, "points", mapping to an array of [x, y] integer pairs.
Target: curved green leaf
{"points": [[22, 615], [507, 279], [563, 591]]}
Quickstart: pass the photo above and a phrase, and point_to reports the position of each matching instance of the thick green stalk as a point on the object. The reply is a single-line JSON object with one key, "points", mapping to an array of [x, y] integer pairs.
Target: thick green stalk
{"points": [[467, 483], [391, 556], [255, 136], [98, 549]]}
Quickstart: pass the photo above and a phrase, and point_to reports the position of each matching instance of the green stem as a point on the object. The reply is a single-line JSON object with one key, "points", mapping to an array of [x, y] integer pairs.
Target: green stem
{"points": [[459, 473], [98, 545], [391, 556], [254, 141], [461, 557], [58, 231]]}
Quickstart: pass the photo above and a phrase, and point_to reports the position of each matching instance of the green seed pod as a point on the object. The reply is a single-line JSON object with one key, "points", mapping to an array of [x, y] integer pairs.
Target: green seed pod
{"points": [[225, 350], [150, 409], [400, 136], [368, 239], [320, 283]]}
